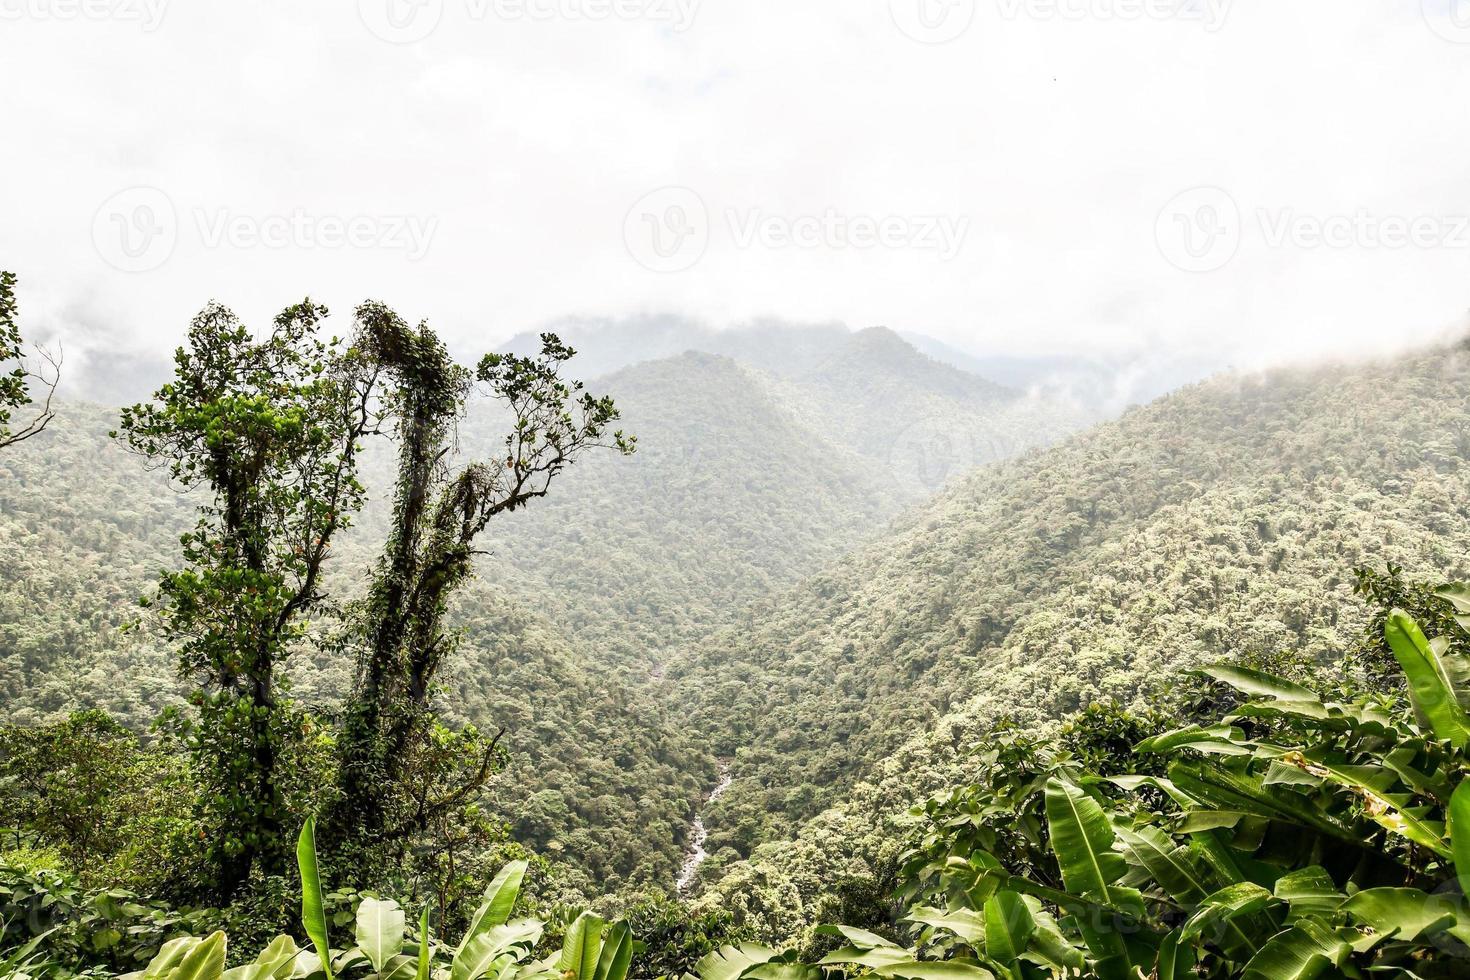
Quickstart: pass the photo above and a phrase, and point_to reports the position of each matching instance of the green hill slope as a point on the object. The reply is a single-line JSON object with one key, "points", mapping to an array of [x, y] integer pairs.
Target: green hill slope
{"points": [[1223, 519]]}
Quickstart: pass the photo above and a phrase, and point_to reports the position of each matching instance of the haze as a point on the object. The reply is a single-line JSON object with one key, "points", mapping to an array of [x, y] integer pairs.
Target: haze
{"points": [[1005, 176]]}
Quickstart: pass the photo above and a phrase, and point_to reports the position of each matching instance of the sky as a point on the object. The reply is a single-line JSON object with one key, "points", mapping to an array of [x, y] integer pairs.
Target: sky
{"points": [[1248, 181]]}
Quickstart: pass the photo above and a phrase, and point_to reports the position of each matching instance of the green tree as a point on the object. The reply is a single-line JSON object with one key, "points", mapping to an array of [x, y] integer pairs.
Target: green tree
{"points": [[15, 384], [437, 516], [268, 431]]}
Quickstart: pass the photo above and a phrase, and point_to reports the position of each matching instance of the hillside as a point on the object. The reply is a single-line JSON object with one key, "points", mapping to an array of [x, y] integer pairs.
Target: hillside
{"points": [[728, 499], [741, 487], [1221, 520], [599, 775]]}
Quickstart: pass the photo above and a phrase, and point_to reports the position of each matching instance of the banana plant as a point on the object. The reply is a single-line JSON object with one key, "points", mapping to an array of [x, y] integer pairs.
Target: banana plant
{"points": [[1295, 839], [495, 946]]}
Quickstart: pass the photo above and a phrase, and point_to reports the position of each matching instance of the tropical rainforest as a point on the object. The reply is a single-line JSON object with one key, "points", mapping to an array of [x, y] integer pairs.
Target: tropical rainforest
{"points": [[780, 653]]}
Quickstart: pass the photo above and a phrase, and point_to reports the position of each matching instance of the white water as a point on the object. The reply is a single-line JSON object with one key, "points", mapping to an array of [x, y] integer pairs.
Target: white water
{"points": [[698, 834]]}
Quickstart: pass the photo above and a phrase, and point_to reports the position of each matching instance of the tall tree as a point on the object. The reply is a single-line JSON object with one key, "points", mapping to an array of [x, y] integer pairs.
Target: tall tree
{"points": [[15, 384], [268, 430], [438, 513]]}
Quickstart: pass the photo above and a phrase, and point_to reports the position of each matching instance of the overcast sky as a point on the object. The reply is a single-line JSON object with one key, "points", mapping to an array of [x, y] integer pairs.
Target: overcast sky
{"points": [[1256, 180]]}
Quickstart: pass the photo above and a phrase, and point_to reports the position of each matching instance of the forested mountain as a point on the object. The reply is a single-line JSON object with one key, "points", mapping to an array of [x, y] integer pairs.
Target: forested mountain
{"points": [[1223, 520], [598, 775], [728, 498], [743, 483]]}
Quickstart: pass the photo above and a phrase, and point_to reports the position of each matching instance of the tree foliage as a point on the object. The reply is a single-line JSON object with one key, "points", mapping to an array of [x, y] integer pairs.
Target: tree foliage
{"points": [[18, 375]]}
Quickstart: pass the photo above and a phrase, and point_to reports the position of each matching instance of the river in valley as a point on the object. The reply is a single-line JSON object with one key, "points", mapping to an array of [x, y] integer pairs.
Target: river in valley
{"points": [[698, 835]]}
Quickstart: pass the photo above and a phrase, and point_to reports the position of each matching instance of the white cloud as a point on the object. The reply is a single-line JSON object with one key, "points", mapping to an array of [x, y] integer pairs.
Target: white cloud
{"points": [[1055, 130]]}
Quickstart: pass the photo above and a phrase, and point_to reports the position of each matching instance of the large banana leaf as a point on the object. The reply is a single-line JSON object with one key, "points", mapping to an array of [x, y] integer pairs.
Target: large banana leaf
{"points": [[1176, 959], [1219, 908], [1300, 953], [426, 948], [1082, 837], [1403, 913], [380, 929], [275, 962], [1307, 892], [580, 950], [313, 917], [1460, 834], [500, 902], [1008, 927], [926, 970], [206, 961], [1436, 703], [478, 957], [1388, 812], [617, 953], [1227, 789], [1459, 597], [1258, 684], [731, 962], [1176, 869]]}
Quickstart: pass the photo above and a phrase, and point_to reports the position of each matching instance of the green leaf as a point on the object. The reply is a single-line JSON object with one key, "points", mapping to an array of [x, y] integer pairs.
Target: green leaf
{"points": [[426, 947], [1082, 838], [870, 958], [1176, 959], [380, 928], [967, 925], [617, 953], [168, 957], [275, 962], [580, 949], [1460, 834], [313, 918], [510, 941], [1302, 952], [1435, 702], [206, 961], [1008, 927], [1230, 902], [858, 937], [1404, 913], [1175, 868], [936, 970], [500, 900], [1258, 684], [731, 962], [1308, 891]]}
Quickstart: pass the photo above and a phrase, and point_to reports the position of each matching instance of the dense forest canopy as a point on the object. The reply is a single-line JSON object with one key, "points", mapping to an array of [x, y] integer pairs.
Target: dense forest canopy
{"points": [[834, 569]]}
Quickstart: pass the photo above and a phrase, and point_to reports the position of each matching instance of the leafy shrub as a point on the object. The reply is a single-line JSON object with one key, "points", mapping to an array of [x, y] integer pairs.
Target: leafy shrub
{"points": [[1298, 837]]}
